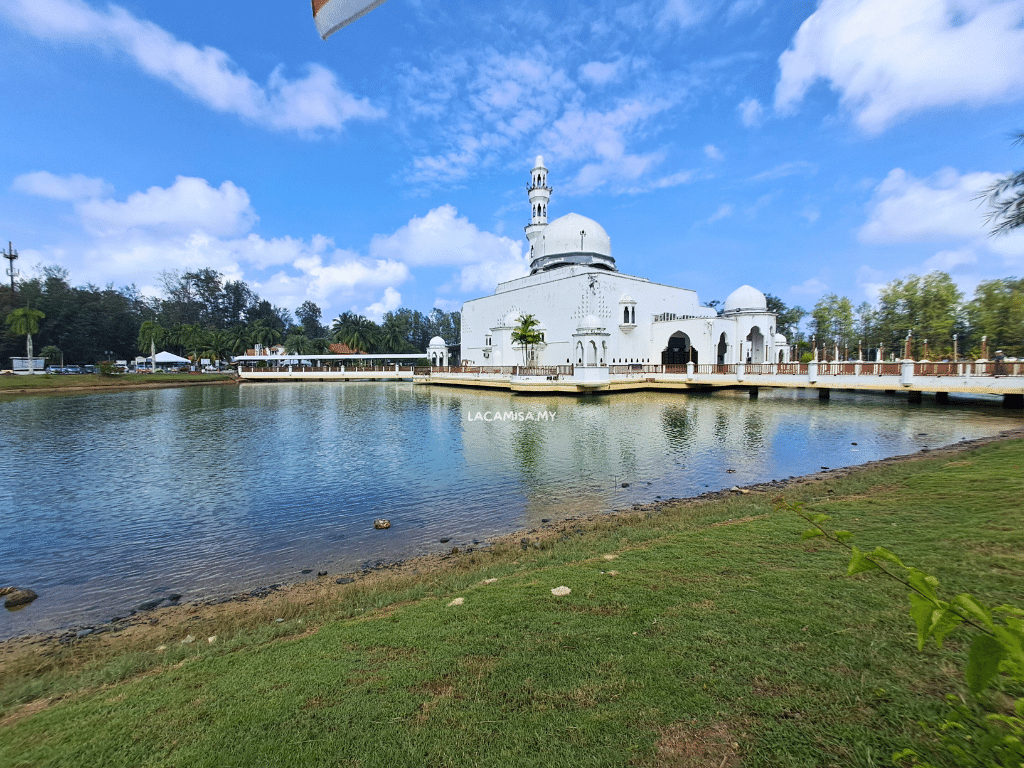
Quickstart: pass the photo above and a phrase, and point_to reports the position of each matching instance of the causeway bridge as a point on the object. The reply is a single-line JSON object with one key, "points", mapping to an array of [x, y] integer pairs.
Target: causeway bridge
{"points": [[914, 378]]}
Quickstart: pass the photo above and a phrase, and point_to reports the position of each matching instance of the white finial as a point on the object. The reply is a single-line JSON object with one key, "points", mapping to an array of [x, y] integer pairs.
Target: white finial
{"points": [[540, 162]]}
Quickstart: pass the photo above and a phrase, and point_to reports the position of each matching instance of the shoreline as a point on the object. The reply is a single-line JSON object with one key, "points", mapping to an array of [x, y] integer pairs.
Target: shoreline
{"points": [[116, 387], [139, 623]]}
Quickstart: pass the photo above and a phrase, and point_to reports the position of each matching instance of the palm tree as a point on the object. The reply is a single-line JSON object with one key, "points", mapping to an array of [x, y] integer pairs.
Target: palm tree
{"points": [[297, 344], [357, 332], [151, 333], [1006, 208], [263, 334], [218, 344], [25, 320], [526, 333]]}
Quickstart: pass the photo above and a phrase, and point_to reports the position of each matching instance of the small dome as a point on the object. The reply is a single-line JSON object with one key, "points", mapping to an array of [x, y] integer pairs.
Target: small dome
{"points": [[626, 299], [589, 322], [745, 299], [540, 162], [437, 341], [780, 339]]}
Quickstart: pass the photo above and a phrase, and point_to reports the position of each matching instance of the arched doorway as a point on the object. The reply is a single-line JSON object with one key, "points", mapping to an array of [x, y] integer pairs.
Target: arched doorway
{"points": [[679, 350], [579, 353], [755, 349], [723, 348], [592, 353]]}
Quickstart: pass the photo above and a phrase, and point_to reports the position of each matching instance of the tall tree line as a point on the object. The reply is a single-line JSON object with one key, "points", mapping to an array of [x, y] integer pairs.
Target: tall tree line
{"points": [[199, 314]]}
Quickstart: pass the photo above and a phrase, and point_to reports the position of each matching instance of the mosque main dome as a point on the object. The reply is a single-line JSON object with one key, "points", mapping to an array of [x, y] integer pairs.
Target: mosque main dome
{"points": [[568, 240], [572, 239]]}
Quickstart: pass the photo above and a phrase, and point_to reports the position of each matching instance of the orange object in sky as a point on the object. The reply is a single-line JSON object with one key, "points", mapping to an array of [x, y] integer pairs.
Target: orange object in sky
{"points": [[332, 15]]}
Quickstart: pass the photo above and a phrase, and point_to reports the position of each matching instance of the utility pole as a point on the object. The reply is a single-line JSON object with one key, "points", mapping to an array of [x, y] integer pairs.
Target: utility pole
{"points": [[10, 254]]}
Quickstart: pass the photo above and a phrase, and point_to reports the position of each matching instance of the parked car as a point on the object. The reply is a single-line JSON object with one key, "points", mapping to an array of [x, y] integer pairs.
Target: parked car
{"points": [[56, 370], [73, 369]]}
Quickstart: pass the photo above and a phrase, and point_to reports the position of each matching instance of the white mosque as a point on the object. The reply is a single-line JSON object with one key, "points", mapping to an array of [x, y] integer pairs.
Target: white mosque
{"points": [[590, 314]]}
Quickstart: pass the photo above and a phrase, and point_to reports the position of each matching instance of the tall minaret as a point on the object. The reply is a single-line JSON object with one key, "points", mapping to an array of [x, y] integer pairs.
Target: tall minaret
{"points": [[540, 193]]}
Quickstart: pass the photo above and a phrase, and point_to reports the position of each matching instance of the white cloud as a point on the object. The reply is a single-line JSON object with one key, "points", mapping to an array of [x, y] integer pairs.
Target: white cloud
{"points": [[948, 261], [795, 168], [601, 72], [871, 281], [389, 302], [713, 153], [741, 8], [684, 13], [306, 105], [601, 137], [442, 237], [188, 205], [724, 210], [751, 112], [812, 286], [72, 187], [888, 60], [906, 209]]}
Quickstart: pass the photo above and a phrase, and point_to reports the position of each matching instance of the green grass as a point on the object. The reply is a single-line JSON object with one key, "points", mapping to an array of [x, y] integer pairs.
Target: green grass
{"points": [[48, 381], [735, 644]]}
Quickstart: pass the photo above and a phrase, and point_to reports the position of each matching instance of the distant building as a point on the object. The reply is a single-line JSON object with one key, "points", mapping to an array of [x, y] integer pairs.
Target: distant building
{"points": [[591, 314]]}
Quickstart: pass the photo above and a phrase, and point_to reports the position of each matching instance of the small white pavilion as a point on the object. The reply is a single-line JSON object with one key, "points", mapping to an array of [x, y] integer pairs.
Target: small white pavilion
{"points": [[590, 314]]}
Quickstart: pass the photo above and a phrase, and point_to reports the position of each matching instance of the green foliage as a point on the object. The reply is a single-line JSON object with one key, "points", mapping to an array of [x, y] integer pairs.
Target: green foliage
{"points": [[526, 333], [51, 354], [973, 733], [997, 311], [1006, 200]]}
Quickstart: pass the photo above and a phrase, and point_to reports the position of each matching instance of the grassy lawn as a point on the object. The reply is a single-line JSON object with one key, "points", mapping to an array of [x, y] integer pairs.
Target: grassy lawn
{"points": [[46, 381], [707, 634]]}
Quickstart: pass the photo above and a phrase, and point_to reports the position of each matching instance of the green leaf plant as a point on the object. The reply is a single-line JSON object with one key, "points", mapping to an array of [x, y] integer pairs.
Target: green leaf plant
{"points": [[972, 734]]}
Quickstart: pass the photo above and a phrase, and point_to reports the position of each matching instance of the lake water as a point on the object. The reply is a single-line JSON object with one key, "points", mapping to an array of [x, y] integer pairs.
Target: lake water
{"points": [[113, 499]]}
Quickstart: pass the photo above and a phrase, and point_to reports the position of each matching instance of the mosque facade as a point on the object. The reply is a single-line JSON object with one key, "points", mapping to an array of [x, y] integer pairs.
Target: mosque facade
{"points": [[590, 314]]}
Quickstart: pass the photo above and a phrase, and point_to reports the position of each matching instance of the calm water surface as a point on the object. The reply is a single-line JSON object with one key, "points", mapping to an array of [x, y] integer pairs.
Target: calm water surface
{"points": [[112, 499]]}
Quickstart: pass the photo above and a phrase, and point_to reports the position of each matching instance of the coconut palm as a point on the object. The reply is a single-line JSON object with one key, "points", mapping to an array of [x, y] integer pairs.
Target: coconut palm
{"points": [[151, 333], [218, 345], [263, 334], [25, 320], [1006, 206], [526, 333], [357, 332]]}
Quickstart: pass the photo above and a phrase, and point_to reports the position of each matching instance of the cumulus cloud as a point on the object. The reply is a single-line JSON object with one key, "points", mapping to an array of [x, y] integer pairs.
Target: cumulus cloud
{"points": [[751, 112], [943, 209], [308, 104], [389, 302], [192, 224], [188, 205], [442, 237], [888, 60], [904, 208], [72, 187]]}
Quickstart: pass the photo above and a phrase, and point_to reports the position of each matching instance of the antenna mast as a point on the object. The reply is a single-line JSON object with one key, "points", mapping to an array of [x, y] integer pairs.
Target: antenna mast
{"points": [[10, 254]]}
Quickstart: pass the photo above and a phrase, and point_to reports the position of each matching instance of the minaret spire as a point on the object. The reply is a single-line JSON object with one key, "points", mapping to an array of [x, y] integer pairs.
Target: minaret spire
{"points": [[540, 193]]}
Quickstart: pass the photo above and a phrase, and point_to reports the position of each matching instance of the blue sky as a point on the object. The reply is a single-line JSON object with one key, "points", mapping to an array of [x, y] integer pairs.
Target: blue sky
{"points": [[801, 148]]}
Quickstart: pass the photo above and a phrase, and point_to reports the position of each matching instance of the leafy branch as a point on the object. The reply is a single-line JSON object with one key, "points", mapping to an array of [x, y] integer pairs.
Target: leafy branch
{"points": [[997, 650]]}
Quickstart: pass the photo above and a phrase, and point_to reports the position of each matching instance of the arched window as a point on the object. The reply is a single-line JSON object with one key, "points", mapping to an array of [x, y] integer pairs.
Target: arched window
{"points": [[632, 313], [625, 314]]}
